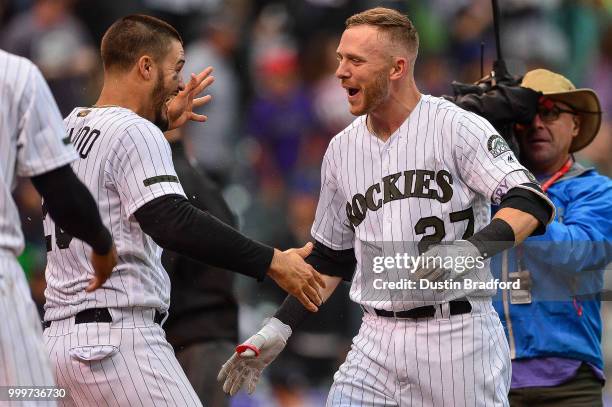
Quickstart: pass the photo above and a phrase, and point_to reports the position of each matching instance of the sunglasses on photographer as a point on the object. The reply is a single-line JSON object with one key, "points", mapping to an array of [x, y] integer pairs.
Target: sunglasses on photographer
{"points": [[549, 112]]}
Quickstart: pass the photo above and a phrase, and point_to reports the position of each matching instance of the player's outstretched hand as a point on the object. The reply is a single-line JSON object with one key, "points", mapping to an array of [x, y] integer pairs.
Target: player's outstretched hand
{"points": [[432, 267], [180, 107], [251, 357], [103, 265], [289, 270]]}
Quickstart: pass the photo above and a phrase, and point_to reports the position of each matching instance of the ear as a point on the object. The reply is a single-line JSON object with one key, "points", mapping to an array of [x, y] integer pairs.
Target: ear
{"points": [[399, 68], [576, 128], [145, 67]]}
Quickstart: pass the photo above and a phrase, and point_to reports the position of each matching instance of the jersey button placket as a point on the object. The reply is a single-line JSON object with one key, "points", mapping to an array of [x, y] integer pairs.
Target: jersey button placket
{"points": [[386, 212]]}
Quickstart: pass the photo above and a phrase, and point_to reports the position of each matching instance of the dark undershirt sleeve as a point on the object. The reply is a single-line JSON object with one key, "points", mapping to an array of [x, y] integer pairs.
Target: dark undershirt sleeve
{"points": [[177, 225], [72, 208], [498, 235], [338, 263], [530, 202]]}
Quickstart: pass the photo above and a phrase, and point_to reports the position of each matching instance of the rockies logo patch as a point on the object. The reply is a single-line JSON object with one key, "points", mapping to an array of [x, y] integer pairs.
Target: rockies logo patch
{"points": [[497, 145]]}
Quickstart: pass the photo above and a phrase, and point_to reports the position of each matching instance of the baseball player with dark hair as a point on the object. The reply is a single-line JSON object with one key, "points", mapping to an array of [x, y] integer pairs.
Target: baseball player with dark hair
{"points": [[108, 346], [410, 168], [32, 144]]}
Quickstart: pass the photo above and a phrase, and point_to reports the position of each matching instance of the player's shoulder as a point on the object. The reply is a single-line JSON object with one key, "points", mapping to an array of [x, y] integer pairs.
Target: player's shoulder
{"points": [[16, 76], [135, 124], [356, 126], [466, 119], [118, 119], [136, 133], [444, 105], [10, 61]]}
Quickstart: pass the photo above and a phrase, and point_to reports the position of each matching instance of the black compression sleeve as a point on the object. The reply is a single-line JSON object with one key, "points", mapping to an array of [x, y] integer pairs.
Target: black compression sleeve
{"points": [[292, 312], [494, 238], [176, 225], [339, 263], [72, 207], [529, 202]]}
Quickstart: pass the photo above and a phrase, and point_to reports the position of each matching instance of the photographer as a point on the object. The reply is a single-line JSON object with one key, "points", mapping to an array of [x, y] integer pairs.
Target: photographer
{"points": [[553, 328]]}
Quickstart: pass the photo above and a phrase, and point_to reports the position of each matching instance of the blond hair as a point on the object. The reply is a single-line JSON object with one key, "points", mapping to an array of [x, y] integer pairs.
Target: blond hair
{"points": [[396, 25]]}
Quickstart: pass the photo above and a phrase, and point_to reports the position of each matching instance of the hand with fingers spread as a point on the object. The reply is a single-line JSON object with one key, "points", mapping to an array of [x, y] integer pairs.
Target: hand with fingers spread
{"points": [[251, 357], [180, 107], [298, 278], [103, 265]]}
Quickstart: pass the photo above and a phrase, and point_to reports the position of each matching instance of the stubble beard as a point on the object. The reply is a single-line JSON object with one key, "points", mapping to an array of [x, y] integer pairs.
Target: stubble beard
{"points": [[158, 96], [374, 94]]}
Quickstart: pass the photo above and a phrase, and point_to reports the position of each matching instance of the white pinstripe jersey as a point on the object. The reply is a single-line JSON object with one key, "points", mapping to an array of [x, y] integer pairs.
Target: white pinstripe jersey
{"points": [[31, 138], [125, 162], [432, 180]]}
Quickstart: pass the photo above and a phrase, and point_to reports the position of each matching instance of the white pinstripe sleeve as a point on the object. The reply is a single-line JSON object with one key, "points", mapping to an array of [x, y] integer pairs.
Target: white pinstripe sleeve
{"points": [[42, 145], [331, 225], [141, 167], [485, 161]]}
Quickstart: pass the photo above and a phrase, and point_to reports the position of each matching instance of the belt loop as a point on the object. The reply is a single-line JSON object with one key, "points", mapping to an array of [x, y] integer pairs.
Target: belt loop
{"points": [[165, 317], [367, 310], [444, 310]]}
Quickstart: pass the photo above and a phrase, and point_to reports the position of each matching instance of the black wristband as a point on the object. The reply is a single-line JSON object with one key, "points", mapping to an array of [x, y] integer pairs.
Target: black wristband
{"points": [[292, 312], [102, 243], [494, 238]]}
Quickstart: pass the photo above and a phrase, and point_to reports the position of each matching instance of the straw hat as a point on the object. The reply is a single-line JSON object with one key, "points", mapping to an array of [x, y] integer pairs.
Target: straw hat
{"points": [[583, 101]]}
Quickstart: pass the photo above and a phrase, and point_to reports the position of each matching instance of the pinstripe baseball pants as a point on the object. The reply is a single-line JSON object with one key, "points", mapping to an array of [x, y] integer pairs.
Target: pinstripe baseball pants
{"points": [[23, 357], [124, 363], [458, 360]]}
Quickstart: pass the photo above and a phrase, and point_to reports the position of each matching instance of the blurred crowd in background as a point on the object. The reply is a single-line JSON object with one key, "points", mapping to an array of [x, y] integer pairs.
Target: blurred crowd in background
{"points": [[276, 104]]}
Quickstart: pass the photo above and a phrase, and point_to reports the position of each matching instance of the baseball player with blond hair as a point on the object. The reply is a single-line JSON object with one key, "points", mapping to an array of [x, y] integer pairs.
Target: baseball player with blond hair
{"points": [[413, 174], [108, 347]]}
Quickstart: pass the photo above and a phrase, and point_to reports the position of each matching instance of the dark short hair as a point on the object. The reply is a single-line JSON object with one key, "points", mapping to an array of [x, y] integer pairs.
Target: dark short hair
{"points": [[396, 25], [133, 36]]}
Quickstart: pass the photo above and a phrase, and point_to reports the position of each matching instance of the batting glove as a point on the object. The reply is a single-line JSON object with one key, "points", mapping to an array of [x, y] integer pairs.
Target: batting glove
{"points": [[251, 357], [456, 253]]}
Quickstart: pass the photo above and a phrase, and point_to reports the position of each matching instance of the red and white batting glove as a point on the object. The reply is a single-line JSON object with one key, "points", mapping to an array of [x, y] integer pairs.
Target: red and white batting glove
{"points": [[251, 357]]}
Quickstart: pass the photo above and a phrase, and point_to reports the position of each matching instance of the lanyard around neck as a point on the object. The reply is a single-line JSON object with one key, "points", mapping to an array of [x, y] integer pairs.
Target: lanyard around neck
{"points": [[566, 167]]}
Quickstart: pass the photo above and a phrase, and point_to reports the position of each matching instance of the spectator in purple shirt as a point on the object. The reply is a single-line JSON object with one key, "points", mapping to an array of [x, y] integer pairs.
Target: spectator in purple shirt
{"points": [[281, 116]]}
